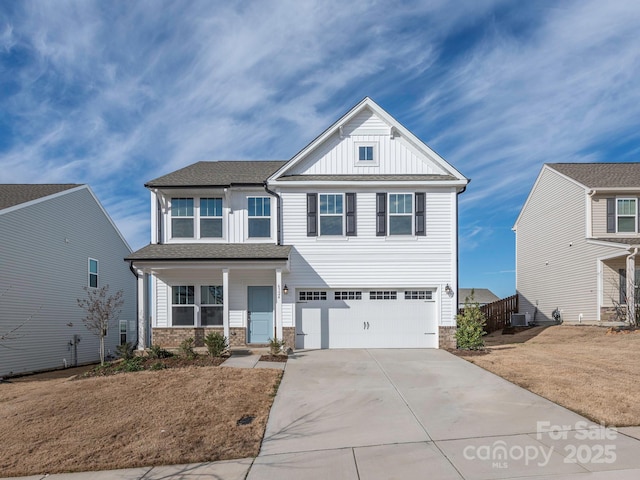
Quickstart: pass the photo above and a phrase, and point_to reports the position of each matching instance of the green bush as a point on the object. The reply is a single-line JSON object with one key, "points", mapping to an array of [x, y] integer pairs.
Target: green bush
{"points": [[276, 346], [156, 351], [471, 324], [125, 351], [216, 343], [133, 364], [186, 348], [157, 366]]}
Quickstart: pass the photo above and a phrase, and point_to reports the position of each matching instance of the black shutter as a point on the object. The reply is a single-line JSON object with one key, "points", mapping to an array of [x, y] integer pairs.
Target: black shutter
{"points": [[421, 229], [312, 214], [351, 214], [381, 214], [611, 215]]}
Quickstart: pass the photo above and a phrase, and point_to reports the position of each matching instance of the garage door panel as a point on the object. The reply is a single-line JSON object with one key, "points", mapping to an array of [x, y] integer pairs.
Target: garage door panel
{"points": [[367, 323]]}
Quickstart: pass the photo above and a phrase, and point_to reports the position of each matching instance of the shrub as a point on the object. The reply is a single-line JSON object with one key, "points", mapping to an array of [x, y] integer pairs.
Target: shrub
{"points": [[125, 351], [156, 351], [276, 346], [216, 343], [186, 348], [133, 364], [157, 366], [471, 324]]}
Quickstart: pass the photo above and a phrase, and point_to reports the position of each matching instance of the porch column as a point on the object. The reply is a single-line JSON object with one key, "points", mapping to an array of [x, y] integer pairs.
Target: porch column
{"points": [[142, 319], [278, 311], [631, 290], [225, 302]]}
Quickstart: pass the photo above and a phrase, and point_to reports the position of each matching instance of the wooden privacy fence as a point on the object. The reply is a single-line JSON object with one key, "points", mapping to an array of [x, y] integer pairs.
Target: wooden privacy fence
{"points": [[498, 313]]}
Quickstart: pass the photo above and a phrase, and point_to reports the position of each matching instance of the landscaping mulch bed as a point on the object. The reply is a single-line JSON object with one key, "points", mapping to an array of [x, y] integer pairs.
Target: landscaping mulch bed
{"points": [[147, 363], [273, 358]]}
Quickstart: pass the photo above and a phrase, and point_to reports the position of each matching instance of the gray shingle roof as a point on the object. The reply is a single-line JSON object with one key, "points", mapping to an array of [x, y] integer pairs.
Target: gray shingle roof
{"points": [[367, 178], [219, 174], [481, 295], [12, 194], [212, 251], [601, 175]]}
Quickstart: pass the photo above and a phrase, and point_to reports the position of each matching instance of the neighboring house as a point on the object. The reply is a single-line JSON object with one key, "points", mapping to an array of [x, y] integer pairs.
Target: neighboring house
{"points": [[57, 239], [577, 238], [480, 295], [351, 243]]}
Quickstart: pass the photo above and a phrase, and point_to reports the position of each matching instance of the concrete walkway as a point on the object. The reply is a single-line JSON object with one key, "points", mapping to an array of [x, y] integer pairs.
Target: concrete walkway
{"points": [[384, 414]]}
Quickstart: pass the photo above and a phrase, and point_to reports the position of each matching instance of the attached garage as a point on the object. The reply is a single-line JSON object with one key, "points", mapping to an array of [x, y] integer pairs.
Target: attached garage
{"points": [[366, 318]]}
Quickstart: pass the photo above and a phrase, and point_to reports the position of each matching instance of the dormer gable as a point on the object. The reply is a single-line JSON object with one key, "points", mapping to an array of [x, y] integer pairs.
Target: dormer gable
{"points": [[366, 144]]}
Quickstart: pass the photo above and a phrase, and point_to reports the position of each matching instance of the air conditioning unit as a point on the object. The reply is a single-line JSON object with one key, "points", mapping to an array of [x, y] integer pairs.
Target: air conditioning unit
{"points": [[518, 320]]}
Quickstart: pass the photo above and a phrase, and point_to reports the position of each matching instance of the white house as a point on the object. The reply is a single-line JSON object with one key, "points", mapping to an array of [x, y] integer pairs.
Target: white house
{"points": [[57, 239], [352, 243], [577, 240]]}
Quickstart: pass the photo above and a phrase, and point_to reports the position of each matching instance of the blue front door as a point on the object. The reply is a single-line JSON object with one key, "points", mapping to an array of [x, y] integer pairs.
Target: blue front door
{"points": [[260, 303]]}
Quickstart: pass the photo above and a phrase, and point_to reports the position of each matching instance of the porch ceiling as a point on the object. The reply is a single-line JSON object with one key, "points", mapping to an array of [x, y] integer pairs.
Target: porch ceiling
{"points": [[211, 251]]}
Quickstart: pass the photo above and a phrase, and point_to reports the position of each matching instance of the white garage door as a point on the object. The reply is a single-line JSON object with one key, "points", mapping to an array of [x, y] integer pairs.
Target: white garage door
{"points": [[366, 319]]}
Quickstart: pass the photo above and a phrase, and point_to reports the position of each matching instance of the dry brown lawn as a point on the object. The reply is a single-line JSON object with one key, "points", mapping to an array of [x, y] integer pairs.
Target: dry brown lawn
{"points": [[581, 368], [145, 418]]}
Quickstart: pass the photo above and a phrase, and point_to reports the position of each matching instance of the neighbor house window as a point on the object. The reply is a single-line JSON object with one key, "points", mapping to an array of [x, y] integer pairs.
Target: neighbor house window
{"points": [[123, 332], [259, 217], [183, 306], [211, 305], [182, 217], [400, 213], [93, 273], [210, 217], [331, 214], [626, 216], [365, 153]]}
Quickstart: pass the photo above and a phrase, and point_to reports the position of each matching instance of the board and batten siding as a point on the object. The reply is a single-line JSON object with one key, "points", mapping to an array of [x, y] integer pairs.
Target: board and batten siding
{"points": [[43, 269], [555, 266], [368, 261]]}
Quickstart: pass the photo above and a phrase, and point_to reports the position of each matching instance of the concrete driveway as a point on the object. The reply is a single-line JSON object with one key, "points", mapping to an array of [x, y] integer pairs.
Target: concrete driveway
{"points": [[382, 414]]}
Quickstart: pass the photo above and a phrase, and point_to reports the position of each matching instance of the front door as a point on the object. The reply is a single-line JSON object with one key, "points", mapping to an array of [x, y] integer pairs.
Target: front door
{"points": [[260, 314]]}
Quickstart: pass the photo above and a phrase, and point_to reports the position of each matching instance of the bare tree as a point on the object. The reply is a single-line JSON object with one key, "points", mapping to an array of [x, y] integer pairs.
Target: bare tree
{"points": [[102, 311]]}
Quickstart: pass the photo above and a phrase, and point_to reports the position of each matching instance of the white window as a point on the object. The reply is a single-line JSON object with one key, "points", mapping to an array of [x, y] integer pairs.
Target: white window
{"points": [[400, 214], [417, 295], [182, 218], [183, 306], [259, 209], [93, 273], [211, 305], [365, 153], [349, 295], [211, 218], [383, 295], [123, 332], [331, 214], [312, 295], [626, 215]]}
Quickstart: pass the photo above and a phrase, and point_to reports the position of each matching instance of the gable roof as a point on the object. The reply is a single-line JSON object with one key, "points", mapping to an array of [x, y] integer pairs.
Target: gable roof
{"points": [[601, 175], [12, 194], [480, 295], [222, 173], [394, 126]]}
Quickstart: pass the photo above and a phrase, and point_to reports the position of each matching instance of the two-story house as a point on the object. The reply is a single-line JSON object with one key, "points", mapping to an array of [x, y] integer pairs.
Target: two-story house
{"points": [[56, 240], [352, 243], [577, 239]]}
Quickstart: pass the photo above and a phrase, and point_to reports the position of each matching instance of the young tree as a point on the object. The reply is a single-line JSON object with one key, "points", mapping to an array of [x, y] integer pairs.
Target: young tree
{"points": [[102, 311], [471, 324]]}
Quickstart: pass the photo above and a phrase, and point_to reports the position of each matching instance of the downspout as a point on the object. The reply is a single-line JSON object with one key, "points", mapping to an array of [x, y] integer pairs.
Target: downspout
{"points": [[133, 270], [458, 256], [278, 213]]}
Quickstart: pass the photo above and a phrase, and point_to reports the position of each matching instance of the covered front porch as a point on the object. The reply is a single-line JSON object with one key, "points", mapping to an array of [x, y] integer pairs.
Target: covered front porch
{"points": [[234, 289], [618, 280]]}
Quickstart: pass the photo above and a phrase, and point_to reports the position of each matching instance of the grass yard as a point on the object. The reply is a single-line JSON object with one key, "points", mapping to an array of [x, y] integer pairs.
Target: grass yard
{"points": [[582, 368], [147, 418]]}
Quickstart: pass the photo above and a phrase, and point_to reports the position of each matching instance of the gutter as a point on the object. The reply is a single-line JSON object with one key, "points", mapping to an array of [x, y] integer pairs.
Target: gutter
{"points": [[278, 212]]}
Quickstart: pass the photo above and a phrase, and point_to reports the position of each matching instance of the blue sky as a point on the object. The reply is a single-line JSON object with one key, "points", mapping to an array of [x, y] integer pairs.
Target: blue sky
{"points": [[116, 93]]}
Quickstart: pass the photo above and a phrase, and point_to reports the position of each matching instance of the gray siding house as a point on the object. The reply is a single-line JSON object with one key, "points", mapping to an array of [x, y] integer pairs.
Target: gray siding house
{"points": [[577, 240], [57, 239]]}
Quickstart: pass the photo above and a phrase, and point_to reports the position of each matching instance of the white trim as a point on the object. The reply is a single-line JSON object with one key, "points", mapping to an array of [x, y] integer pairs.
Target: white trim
{"points": [[368, 183], [374, 162], [411, 215], [343, 217], [278, 306], [635, 216], [249, 239], [97, 274], [225, 302], [602, 243]]}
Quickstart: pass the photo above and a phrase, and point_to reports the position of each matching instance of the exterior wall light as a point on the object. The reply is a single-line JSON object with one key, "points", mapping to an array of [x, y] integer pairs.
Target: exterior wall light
{"points": [[285, 290], [448, 290]]}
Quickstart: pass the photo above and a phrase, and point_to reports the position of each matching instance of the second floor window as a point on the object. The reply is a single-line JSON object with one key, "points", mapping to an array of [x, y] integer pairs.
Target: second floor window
{"points": [[331, 213], [259, 210], [182, 217], [93, 273], [400, 213], [627, 215], [210, 217]]}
